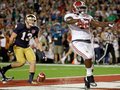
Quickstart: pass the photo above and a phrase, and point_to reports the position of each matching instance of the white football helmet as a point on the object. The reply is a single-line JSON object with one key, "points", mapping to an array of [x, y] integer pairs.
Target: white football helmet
{"points": [[79, 7], [30, 19]]}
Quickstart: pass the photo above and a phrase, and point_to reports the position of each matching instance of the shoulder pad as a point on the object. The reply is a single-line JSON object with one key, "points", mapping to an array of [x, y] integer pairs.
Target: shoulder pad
{"points": [[19, 25]]}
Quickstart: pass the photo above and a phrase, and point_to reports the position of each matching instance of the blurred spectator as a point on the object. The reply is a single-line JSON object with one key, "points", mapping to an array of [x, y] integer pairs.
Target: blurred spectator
{"points": [[48, 11], [3, 50], [57, 41], [108, 38], [97, 47], [116, 46]]}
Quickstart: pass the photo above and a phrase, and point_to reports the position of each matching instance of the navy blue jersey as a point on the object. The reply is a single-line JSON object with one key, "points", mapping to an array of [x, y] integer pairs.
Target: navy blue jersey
{"points": [[24, 35]]}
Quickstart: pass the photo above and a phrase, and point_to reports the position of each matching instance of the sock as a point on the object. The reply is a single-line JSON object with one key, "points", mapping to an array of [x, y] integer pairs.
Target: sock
{"points": [[89, 72], [6, 68], [3, 76], [31, 76]]}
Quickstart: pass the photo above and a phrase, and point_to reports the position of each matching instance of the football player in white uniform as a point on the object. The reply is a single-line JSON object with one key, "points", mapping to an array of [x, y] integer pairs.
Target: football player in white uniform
{"points": [[79, 23]]}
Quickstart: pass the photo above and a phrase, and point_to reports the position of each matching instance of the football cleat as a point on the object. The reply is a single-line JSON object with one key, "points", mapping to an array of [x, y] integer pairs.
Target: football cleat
{"points": [[89, 81], [32, 82], [5, 80]]}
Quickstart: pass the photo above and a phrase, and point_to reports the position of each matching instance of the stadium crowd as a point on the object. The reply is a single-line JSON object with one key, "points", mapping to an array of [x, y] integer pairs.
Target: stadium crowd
{"points": [[54, 34]]}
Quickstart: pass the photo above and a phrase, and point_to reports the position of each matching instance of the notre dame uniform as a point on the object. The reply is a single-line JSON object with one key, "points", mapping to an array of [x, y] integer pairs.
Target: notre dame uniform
{"points": [[21, 44]]}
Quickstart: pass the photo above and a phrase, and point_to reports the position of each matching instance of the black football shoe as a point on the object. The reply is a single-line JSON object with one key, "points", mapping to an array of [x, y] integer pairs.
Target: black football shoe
{"points": [[89, 81], [6, 79]]}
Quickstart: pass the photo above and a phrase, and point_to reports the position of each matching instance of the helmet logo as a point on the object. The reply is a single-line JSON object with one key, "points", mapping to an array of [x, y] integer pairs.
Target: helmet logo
{"points": [[79, 7]]}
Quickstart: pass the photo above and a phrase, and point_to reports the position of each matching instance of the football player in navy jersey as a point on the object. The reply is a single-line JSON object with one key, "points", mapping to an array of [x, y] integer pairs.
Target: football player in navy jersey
{"points": [[19, 40]]}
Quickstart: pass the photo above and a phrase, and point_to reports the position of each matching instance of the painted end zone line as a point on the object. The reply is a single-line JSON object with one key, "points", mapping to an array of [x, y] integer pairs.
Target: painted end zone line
{"points": [[111, 82]]}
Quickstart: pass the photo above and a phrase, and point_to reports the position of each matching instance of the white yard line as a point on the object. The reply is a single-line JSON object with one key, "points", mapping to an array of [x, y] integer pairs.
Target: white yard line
{"points": [[80, 86]]}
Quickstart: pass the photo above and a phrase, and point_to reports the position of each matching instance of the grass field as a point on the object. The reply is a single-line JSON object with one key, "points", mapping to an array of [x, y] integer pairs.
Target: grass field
{"points": [[59, 70]]}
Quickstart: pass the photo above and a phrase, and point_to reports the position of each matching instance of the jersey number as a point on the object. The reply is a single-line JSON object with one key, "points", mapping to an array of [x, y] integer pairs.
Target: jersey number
{"points": [[83, 23], [28, 37]]}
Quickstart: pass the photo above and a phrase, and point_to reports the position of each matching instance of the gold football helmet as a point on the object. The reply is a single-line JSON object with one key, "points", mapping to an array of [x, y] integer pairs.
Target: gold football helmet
{"points": [[30, 19]]}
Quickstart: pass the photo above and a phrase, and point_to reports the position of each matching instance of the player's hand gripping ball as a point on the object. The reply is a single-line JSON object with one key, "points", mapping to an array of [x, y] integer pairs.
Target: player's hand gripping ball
{"points": [[41, 77]]}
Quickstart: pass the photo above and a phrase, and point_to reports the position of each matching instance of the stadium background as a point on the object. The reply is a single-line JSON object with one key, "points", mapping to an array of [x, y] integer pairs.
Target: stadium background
{"points": [[50, 13], [50, 20]]}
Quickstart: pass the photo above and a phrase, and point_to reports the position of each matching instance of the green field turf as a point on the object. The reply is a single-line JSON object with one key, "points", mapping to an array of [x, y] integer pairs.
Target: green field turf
{"points": [[55, 71]]}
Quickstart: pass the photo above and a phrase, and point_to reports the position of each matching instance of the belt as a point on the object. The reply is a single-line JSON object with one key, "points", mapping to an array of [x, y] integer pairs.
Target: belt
{"points": [[82, 40]]}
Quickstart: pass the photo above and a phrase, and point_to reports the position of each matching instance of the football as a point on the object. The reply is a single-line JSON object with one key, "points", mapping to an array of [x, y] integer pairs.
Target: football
{"points": [[41, 77]]}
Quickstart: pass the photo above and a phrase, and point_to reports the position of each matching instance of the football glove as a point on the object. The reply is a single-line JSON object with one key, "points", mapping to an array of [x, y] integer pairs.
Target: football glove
{"points": [[41, 54]]}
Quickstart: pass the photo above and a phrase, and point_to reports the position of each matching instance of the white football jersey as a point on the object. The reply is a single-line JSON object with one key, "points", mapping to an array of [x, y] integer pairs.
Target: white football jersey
{"points": [[80, 29]]}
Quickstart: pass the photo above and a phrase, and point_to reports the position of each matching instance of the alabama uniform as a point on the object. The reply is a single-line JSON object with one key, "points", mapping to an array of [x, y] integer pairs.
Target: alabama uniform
{"points": [[81, 35], [82, 43]]}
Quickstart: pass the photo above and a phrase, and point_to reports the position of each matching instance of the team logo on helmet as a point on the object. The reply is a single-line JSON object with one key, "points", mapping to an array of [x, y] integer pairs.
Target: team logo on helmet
{"points": [[79, 7]]}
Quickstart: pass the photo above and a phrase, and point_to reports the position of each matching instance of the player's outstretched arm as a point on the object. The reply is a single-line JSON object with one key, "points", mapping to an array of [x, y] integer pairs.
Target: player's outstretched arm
{"points": [[100, 24]]}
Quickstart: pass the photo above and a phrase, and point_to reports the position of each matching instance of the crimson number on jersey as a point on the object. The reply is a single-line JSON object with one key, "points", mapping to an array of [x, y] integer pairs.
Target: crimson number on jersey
{"points": [[83, 23]]}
